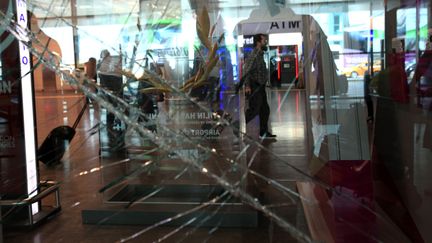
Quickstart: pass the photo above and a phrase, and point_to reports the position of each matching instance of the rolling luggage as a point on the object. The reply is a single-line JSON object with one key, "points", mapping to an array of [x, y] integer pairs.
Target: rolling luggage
{"points": [[55, 144]]}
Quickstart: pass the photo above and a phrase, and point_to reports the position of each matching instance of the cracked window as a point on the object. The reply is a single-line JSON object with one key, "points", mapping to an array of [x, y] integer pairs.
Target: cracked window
{"points": [[209, 121]]}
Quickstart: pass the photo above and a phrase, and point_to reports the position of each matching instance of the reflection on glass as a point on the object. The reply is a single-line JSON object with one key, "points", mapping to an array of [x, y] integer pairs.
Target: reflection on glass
{"points": [[163, 151]]}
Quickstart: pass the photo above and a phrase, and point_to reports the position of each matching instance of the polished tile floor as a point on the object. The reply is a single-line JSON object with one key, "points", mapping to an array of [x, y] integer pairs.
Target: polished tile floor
{"points": [[372, 211], [80, 184]]}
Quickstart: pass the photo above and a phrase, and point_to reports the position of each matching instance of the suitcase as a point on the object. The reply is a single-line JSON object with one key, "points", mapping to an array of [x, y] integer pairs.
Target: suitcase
{"points": [[56, 143]]}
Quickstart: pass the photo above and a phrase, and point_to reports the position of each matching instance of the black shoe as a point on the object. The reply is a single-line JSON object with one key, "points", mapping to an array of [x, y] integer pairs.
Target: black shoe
{"points": [[267, 135]]}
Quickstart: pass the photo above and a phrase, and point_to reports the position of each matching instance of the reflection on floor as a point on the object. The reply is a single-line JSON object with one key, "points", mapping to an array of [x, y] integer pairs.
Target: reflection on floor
{"points": [[103, 159], [82, 180]]}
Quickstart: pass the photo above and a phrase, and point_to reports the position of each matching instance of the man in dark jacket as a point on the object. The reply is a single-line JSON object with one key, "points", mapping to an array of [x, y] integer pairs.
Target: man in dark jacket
{"points": [[256, 77]]}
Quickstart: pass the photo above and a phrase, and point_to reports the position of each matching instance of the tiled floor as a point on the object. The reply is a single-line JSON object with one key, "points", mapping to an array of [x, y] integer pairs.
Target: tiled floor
{"points": [[80, 184], [85, 170]]}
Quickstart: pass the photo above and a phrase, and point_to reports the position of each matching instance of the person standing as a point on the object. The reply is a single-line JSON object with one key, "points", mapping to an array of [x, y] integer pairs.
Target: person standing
{"points": [[91, 74], [110, 79], [90, 69], [256, 77]]}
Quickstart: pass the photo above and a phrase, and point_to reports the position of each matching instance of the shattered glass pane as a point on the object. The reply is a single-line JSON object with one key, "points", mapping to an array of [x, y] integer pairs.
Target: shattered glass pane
{"points": [[147, 130]]}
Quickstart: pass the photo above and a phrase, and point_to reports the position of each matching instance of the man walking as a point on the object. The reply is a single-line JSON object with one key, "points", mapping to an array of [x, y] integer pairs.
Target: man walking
{"points": [[256, 76]]}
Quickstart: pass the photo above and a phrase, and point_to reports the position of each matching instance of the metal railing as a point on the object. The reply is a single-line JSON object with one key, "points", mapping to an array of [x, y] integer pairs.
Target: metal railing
{"points": [[47, 188]]}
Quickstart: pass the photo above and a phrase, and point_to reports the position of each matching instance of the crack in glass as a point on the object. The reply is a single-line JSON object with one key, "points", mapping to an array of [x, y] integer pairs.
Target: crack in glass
{"points": [[184, 140]]}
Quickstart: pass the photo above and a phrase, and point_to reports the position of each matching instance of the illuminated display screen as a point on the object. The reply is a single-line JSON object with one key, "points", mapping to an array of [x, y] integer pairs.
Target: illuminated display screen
{"points": [[27, 103]]}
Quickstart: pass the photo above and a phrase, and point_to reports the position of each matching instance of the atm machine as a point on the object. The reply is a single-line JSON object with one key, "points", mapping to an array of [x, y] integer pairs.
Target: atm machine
{"points": [[283, 61], [288, 67]]}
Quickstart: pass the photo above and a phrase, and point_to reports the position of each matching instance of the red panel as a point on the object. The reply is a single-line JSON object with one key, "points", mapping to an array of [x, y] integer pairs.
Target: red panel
{"points": [[352, 199]]}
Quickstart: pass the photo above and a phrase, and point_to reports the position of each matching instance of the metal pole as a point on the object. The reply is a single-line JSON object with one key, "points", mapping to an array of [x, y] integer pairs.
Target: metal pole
{"points": [[307, 67], [30, 214], [75, 32], [371, 38], [1, 226]]}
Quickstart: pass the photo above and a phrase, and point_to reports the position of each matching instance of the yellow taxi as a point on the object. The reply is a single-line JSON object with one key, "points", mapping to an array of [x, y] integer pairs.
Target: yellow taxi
{"points": [[360, 69]]}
